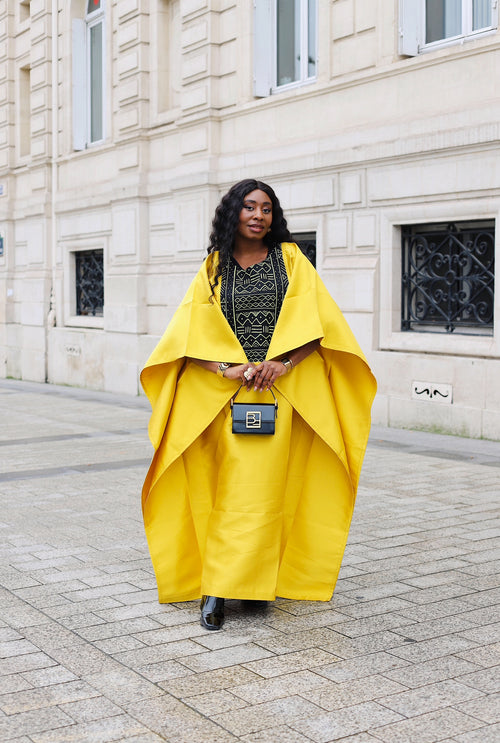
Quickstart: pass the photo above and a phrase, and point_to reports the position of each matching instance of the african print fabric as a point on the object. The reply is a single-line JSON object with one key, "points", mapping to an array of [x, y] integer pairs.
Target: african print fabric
{"points": [[251, 300]]}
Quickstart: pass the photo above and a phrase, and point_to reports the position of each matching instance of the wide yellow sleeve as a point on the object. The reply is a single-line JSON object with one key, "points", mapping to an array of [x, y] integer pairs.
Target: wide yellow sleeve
{"points": [[337, 404]]}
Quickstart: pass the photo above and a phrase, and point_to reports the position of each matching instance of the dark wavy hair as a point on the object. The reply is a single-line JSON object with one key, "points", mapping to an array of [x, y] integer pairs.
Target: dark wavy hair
{"points": [[225, 224]]}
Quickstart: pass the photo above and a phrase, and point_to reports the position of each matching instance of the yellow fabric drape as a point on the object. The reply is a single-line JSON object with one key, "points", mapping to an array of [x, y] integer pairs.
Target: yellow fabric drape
{"points": [[243, 516]]}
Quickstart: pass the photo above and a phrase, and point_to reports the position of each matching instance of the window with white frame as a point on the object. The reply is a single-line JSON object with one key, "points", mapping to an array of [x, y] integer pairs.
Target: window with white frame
{"points": [[88, 76], [429, 24], [285, 44]]}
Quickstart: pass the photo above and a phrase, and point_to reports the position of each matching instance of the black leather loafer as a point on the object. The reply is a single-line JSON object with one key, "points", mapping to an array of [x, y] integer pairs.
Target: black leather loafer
{"points": [[212, 612]]}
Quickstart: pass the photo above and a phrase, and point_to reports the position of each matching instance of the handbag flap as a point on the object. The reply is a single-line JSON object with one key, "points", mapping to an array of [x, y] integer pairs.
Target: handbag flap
{"points": [[258, 418]]}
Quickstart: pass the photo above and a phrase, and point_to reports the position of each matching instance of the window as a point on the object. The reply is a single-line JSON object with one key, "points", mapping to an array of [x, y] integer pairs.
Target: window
{"points": [[284, 44], [295, 40], [448, 277], [89, 282], [427, 24], [307, 243], [88, 76], [95, 76], [447, 18]]}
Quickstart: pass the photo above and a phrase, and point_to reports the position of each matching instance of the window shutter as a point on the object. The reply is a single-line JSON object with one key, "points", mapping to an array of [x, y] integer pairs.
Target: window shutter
{"points": [[494, 13], [79, 65], [410, 25], [263, 47]]}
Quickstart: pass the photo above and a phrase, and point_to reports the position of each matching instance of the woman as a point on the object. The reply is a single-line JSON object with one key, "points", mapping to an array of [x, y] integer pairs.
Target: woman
{"points": [[253, 517]]}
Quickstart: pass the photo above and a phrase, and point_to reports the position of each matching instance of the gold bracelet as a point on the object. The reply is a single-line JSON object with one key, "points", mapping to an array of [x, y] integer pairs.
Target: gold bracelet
{"points": [[288, 364]]}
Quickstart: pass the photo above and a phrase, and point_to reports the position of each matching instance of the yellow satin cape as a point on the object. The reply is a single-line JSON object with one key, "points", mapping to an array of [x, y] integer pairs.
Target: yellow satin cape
{"points": [[244, 516]]}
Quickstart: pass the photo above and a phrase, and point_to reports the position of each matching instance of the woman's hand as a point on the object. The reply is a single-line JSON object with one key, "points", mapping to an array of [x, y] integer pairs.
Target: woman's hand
{"points": [[265, 374], [259, 377], [238, 372]]}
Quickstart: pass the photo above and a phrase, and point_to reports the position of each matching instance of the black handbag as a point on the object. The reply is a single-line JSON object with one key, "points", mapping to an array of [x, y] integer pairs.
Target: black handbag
{"points": [[254, 417]]}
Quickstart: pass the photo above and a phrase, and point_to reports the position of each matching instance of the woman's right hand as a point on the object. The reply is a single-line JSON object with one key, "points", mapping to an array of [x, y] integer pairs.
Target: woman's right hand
{"points": [[237, 373]]}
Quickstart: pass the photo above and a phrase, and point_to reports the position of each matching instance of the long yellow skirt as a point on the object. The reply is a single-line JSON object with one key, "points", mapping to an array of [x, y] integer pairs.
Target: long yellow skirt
{"points": [[250, 516]]}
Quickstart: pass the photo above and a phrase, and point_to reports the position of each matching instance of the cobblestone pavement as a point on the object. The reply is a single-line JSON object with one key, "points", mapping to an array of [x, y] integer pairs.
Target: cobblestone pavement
{"points": [[407, 650]]}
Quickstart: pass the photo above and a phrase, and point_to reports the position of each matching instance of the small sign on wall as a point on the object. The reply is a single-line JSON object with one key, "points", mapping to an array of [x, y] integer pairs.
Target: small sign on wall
{"points": [[1, 244], [73, 350], [432, 392]]}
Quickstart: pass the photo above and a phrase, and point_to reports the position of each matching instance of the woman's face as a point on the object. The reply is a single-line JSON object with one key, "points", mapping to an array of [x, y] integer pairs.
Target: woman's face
{"points": [[256, 216]]}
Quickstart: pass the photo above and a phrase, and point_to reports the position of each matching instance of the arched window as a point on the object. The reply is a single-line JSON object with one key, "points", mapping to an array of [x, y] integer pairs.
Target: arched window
{"points": [[88, 76]]}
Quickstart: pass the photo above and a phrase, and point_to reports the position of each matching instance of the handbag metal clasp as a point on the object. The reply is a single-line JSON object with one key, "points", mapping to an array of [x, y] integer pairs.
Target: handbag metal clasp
{"points": [[253, 419]]}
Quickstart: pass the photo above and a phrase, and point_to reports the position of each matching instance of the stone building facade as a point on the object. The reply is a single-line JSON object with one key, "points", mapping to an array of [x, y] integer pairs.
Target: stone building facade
{"points": [[377, 122]]}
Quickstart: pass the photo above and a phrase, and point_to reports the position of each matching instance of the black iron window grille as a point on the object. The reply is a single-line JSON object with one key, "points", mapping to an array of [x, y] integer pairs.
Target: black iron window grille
{"points": [[307, 243], [89, 266], [448, 277]]}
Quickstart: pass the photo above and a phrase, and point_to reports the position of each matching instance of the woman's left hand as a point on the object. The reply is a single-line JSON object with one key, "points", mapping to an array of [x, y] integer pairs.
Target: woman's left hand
{"points": [[266, 373]]}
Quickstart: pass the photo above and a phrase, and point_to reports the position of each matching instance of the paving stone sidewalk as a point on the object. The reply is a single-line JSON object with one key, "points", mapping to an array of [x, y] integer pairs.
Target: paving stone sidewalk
{"points": [[408, 650]]}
